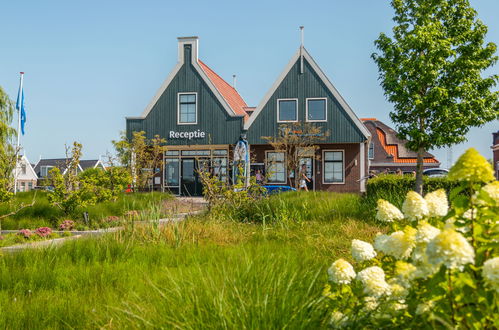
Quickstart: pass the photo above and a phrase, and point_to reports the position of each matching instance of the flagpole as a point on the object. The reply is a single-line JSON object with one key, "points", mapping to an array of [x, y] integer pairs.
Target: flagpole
{"points": [[19, 106]]}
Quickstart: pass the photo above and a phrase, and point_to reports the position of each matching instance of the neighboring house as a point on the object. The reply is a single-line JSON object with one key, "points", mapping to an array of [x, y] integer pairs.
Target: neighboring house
{"points": [[26, 175], [387, 151], [92, 163], [43, 167], [202, 117], [495, 151]]}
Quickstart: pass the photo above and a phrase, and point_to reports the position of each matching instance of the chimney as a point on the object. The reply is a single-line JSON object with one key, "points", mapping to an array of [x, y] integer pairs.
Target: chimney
{"points": [[191, 42], [234, 81]]}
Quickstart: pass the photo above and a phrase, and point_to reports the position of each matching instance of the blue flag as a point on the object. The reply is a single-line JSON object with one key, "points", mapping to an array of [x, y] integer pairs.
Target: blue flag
{"points": [[20, 107]]}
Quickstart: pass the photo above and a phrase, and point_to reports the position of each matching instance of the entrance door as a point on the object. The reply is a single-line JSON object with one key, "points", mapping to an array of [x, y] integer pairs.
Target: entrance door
{"points": [[191, 184], [309, 163]]}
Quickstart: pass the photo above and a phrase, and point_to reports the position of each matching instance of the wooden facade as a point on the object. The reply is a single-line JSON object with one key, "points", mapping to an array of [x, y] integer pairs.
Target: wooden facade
{"points": [[223, 117]]}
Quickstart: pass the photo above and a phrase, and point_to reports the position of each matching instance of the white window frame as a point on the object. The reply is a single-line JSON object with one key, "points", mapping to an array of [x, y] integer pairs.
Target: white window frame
{"points": [[368, 149], [306, 109], [178, 108], [283, 162], [48, 168], [324, 166], [279, 110]]}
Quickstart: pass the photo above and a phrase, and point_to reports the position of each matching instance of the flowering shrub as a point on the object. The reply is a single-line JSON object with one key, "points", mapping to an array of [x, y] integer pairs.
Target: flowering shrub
{"points": [[25, 233], [112, 218], [438, 267], [43, 231], [67, 225]]}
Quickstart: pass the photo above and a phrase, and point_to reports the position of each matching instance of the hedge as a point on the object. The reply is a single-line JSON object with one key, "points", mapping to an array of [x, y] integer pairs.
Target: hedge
{"points": [[393, 188]]}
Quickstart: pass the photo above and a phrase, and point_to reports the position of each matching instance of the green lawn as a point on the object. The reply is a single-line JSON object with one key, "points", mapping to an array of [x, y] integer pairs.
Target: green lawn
{"points": [[206, 272]]}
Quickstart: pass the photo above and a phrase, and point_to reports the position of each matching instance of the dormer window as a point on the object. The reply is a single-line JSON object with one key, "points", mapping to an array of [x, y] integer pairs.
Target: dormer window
{"points": [[187, 109], [287, 110]]}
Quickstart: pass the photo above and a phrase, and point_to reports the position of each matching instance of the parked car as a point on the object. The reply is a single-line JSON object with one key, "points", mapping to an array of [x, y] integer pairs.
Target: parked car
{"points": [[436, 172]]}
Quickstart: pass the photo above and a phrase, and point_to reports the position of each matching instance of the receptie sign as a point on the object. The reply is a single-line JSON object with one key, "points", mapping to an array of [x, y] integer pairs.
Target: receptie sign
{"points": [[187, 135]]}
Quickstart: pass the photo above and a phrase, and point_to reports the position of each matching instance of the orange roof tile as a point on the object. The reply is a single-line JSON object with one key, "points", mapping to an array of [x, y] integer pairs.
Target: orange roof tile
{"points": [[392, 149], [228, 92]]}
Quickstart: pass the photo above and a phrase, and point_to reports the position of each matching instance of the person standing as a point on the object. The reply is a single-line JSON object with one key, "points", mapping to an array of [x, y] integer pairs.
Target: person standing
{"points": [[303, 179]]}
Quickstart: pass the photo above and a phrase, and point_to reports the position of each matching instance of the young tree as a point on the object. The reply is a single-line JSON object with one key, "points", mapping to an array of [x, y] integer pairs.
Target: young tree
{"points": [[296, 140], [141, 156], [8, 153], [431, 70]]}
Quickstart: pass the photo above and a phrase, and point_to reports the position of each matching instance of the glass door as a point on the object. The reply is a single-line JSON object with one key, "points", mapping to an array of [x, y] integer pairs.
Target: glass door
{"points": [[188, 178], [309, 163]]}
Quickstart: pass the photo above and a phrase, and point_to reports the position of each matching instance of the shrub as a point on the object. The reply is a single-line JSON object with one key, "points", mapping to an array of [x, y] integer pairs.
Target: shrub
{"points": [[394, 187], [437, 268], [43, 231], [25, 233], [67, 225]]}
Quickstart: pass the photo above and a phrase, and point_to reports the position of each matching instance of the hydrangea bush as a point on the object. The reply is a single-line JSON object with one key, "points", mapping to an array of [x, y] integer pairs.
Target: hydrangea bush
{"points": [[437, 267]]}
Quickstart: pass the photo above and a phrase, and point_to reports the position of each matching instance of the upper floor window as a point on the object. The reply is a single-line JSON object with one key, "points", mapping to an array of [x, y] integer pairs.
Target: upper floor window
{"points": [[187, 109], [23, 168], [44, 170], [316, 109], [370, 153], [287, 110]]}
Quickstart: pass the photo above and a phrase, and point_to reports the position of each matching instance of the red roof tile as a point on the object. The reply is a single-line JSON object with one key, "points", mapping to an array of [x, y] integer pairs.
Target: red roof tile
{"points": [[228, 92], [392, 149]]}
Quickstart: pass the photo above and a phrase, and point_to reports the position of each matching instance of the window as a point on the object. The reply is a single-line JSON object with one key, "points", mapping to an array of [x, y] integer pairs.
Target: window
{"points": [[187, 109], [171, 153], [333, 166], [172, 172], [23, 168], [287, 110], [276, 168], [44, 170], [30, 185], [370, 153], [316, 109]]}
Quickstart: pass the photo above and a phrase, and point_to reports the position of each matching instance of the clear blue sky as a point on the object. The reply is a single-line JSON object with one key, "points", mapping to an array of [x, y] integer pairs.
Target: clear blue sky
{"points": [[90, 63]]}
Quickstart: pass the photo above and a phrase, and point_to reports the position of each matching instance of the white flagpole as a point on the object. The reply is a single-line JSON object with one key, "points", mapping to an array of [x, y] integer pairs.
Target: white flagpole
{"points": [[20, 104]]}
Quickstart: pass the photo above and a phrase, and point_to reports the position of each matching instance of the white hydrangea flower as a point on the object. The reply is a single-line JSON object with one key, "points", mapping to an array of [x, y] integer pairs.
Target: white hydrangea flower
{"points": [[426, 232], [491, 190], [415, 206], [423, 267], [373, 280], [437, 203], [450, 248], [338, 319], [398, 244], [362, 251], [398, 291], [470, 214], [490, 273], [370, 304], [405, 271], [387, 212], [341, 272], [424, 308]]}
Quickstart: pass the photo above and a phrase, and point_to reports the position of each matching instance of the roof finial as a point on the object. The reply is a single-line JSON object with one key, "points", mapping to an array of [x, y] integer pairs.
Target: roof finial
{"points": [[234, 81], [302, 36], [301, 49]]}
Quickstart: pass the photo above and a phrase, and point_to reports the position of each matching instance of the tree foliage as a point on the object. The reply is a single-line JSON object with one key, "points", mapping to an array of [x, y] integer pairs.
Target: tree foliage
{"points": [[431, 70], [296, 140], [8, 153], [141, 156]]}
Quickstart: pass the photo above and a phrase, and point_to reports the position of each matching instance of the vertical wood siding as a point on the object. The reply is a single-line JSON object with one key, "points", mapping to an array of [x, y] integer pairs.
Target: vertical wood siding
{"points": [[219, 126], [340, 126]]}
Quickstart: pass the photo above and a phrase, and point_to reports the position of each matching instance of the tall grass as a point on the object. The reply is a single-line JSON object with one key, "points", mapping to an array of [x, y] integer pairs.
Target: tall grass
{"points": [[199, 273], [302, 206], [44, 214]]}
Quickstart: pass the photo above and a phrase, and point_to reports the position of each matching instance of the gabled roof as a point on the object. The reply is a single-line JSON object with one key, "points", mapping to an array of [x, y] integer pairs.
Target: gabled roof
{"points": [[90, 163], [393, 147], [230, 99], [303, 52], [228, 92], [60, 163]]}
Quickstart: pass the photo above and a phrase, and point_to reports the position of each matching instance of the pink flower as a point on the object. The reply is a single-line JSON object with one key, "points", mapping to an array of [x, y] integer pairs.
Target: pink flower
{"points": [[43, 231], [26, 233], [67, 225]]}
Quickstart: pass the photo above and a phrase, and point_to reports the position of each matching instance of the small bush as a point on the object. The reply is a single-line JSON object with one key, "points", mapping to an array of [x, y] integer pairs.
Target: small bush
{"points": [[43, 231], [67, 225], [395, 187]]}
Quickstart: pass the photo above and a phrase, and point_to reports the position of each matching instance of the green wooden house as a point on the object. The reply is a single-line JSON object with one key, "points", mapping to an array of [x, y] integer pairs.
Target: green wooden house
{"points": [[202, 117]]}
